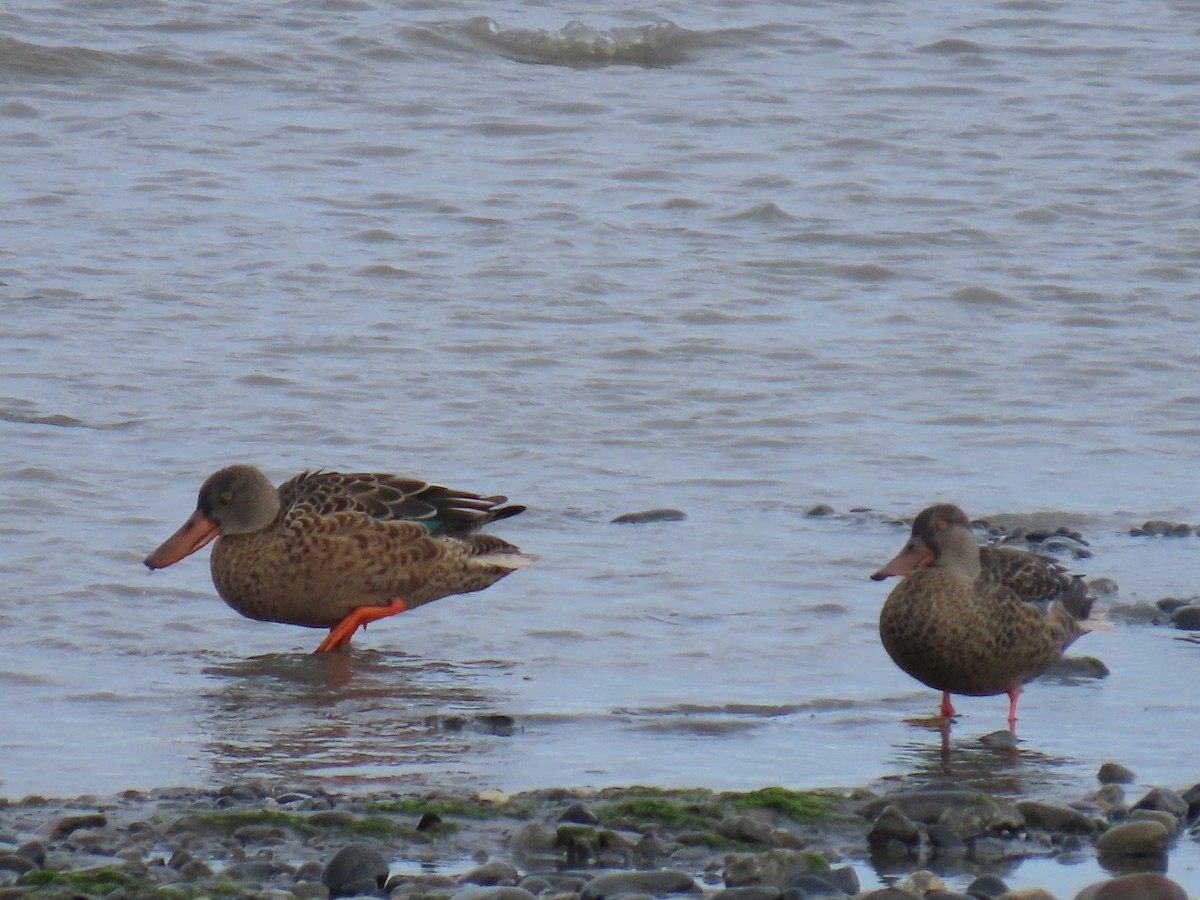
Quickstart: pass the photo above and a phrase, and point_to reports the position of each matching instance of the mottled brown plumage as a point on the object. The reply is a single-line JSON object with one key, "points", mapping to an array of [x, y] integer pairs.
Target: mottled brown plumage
{"points": [[331, 550], [976, 620]]}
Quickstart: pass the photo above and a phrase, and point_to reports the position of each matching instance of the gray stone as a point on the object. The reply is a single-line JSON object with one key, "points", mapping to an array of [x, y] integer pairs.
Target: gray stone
{"points": [[893, 825], [1165, 799], [843, 877], [1115, 773], [260, 834], [475, 892], [1142, 886], [663, 514], [195, 870], [815, 886], [749, 892], [820, 511], [64, 825], [533, 837], [656, 882], [772, 867], [492, 873], [746, 829], [987, 886], [579, 814], [310, 890], [1102, 587], [1164, 818], [1134, 839], [964, 811], [1052, 817], [309, 871], [13, 862], [1186, 618], [945, 842], [355, 869], [33, 850]]}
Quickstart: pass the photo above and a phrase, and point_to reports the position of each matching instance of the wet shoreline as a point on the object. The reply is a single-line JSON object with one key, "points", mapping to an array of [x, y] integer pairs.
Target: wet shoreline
{"points": [[279, 842]]}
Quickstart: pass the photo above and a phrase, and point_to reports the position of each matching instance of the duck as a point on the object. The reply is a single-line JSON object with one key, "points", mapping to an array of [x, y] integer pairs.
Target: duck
{"points": [[332, 550], [976, 620]]}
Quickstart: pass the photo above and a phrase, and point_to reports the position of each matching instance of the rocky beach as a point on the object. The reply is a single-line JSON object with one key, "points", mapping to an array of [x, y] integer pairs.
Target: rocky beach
{"points": [[276, 843]]}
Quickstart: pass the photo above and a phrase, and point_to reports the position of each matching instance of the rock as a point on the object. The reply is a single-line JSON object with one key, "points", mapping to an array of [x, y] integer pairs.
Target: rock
{"points": [[1162, 528], [1143, 886], [1115, 773], [260, 834], [999, 740], [474, 892], [195, 870], [746, 829], [532, 838], [581, 843], [663, 514], [889, 893], [310, 890], [1102, 587], [495, 796], [492, 873], [1108, 797], [1034, 893], [1052, 817], [1135, 613], [751, 892], [1134, 839], [893, 825], [656, 882], [13, 862], [773, 867], [843, 877], [945, 842], [921, 883], [987, 886], [964, 811], [1165, 799], [814, 886], [355, 869], [1163, 817], [64, 825], [820, 511], [1191, 797], [1078, 667], [35, 851], [1186, 618], [579, 814]]}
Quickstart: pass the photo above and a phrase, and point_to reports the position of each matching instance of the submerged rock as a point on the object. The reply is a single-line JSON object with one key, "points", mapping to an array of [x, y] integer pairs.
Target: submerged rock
{"points": [[662, 514]]}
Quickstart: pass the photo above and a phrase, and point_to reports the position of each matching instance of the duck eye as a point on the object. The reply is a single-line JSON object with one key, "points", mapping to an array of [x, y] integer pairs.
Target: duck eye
{"points": [[226, 496], [941, 524]]}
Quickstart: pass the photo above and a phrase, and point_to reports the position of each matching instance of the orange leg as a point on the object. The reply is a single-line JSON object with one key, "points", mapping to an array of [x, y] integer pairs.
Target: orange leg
{"points": [[340, 634], [1013, 694], [947, 707]]}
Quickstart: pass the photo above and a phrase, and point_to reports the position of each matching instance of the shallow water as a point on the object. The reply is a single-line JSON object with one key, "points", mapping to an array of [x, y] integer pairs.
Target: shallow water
{"points": [[735, 260]]}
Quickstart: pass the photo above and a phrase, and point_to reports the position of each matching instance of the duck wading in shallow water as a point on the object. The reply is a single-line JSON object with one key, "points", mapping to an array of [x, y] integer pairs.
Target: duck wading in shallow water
{"points": [[975, 620], [327, 550]]}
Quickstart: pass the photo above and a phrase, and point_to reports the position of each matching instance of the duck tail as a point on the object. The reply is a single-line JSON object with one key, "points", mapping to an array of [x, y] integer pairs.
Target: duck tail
{"points": [[1077, 600]]}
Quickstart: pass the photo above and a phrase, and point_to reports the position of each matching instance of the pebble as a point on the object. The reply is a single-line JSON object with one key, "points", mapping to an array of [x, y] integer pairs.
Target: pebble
{"points": [[746, 829], [475, 892], [662, 514], [813, 886], [356, 868], [988, 886], [751, 892], [655, 882], [1186, 618], [1115, 773], [1162, 528], [492, 873], [892, 825], [819, 511], [1134, 839], [64, 825], [1054, 817], [12, 862], [579, 814], [1143, 886], [1165, 799]]}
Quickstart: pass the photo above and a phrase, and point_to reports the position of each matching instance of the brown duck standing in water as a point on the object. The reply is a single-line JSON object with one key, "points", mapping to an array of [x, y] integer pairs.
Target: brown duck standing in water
{"points": [[327, 550], [975, 620]]}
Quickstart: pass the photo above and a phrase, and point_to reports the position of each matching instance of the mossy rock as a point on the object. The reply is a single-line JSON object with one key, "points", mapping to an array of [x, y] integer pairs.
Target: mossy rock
{"points": [[800, 806]]}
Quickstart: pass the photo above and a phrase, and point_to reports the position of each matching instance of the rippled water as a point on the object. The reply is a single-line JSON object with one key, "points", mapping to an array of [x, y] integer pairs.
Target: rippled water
{"points": [[734, 259]]}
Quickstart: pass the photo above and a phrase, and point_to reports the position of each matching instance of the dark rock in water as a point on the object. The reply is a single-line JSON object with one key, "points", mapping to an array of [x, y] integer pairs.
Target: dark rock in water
{"points": [[1142, 886], [1134, 839], [64, 825], [1136, 613], [945, 842], [987, 886], [531, 838], [813, 886], [34, 851], [492, 873], [580, 842], [999, 740], [1115, 773], [1170, 604], [429, 821], [1166, 800], [1077, 667], [891, 824], [1161, 528], [888, 894], [1187, 618], [13, 862], [750, 892], [664, 514], [820, 511], [1191, 797], [579, 814], [1102, 587], [195, 870], [1163, 818], [964, 811], [746, 829], [773, 867], [843, 877], [1059, 819], [357, 868], [656, 882], [492, 893]]}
